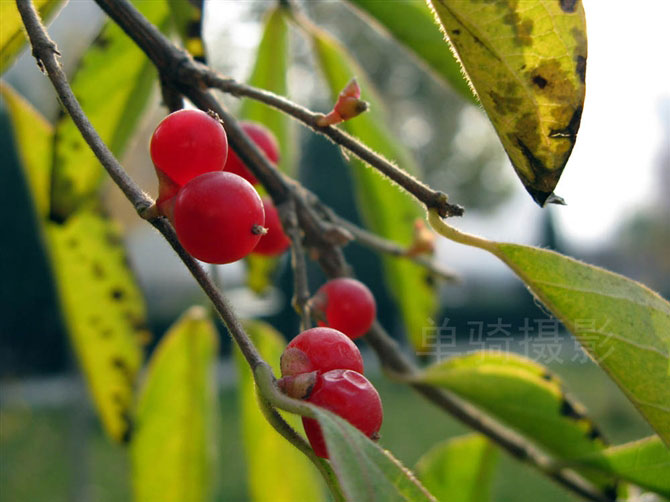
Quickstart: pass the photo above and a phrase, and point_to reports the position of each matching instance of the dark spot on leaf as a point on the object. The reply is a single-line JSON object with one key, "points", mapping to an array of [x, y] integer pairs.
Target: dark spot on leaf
{"points": [[580, 68], [540, 81], [456, 32], [113, 239], [429, 279], [97, 270], [128, 428], [119, 363], [593, 433], [505, 104], [56, 217], [523, 67], [569, 131], [547, 376], [568, 410], [101, 41], [568, 5], [106, 333], [117, 294]]}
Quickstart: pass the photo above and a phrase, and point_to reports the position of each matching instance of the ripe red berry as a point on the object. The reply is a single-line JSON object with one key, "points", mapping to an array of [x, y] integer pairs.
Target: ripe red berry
{"points": [[264, 139], [275, 241], [346, 305], [188, 143], [320, 349], [349, 395], [218, 217]]}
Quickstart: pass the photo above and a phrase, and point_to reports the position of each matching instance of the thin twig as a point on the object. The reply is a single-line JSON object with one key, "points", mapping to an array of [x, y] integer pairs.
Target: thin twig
{"points": [[301, 295]]}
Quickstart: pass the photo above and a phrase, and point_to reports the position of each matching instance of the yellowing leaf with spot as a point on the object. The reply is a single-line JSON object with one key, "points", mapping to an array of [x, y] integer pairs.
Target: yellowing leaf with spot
{"points": [[113, 83], [12, 36], [526, 60], [264, 448], [386, 210], [104, 312], [460, 469], [522, 394], [269, 72], [622, 324], [174, 447]]}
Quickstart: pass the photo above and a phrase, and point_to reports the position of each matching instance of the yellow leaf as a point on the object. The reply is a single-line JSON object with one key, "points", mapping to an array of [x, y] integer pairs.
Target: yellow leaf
{"points": [[526, 60]]}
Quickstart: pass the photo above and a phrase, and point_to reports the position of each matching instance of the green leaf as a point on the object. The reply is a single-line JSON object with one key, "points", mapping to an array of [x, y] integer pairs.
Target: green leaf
{"points": [[645, 463], [385, 210], [174, 448], [12, 36], [34, 142], [622, 324], [527, 63], [367, 473], [269, 72], [522, 394], [104, 311], [460, 469], [413, 25], [264, 448], [113, 84]]}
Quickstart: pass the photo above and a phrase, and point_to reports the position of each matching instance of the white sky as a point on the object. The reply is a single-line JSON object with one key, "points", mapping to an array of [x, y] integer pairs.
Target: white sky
{"points": [[614, 164]]}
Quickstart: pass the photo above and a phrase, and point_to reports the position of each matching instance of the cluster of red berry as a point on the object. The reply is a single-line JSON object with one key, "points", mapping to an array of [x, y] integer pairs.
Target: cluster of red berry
{"points": [[323, 366], [207, 192]]}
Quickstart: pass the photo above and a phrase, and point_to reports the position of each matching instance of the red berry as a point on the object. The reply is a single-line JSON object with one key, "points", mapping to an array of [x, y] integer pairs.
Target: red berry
{"points": [[346, 305], [349, 395], [218, 217], [188, 143], [320, 349], [264, 139], [275, 241]]}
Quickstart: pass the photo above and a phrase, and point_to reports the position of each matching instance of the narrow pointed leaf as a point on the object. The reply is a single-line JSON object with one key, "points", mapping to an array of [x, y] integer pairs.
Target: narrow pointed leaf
{"points": [[460, 469], [102, 306], [113, 84], [269, 72], [367, 473], [34, 142], [527, 63], [414, 26], [104, 312], [174, 447], [621, 324], [264, 448], [522, 394], [386, 210], [12, 36], [645, 463]]}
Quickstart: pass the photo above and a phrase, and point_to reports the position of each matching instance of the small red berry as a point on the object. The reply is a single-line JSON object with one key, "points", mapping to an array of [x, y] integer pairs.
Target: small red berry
{"points": [[188, 143], [264, 139], [320, 349], [349, 395], [275, 241], [218, 217], [346, 305]]}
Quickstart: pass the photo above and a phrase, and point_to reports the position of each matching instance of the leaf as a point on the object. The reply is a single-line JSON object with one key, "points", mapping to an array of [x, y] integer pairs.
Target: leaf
{"points": [[102, 306], [104, 312], [173, 451], [187, 18], [413, 25], [113, 84], [34, 142], [264, 448], [522, 394], [385, 210], [366, 472], [645, 463], [269, 72], [460, 469], [527, 63], [12, 36], [622, 324]]}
